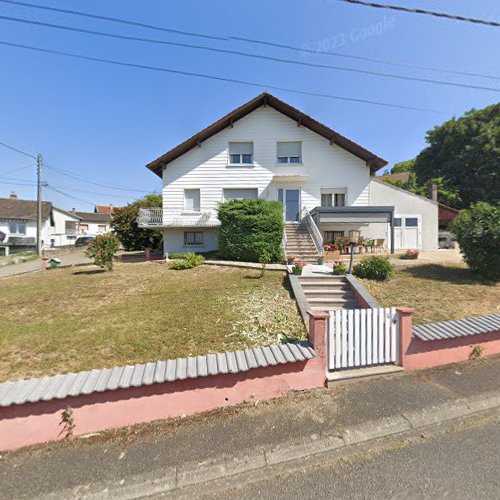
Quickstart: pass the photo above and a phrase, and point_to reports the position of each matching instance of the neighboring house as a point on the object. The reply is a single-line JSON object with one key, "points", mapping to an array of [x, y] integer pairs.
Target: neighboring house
{"points": [[400, 177], [268, 149], [446, 216], [104, 209], [93, 223], [18, 221]]}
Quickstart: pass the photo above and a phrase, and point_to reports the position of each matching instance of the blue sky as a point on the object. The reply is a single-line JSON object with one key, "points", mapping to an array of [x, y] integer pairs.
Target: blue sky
{"points": [[106, 122]]}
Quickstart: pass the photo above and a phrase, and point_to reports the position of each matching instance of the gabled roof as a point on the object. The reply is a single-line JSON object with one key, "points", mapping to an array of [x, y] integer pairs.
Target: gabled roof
{"points": [[266, 99], [93, 216], [14, 208], [104, 209]]}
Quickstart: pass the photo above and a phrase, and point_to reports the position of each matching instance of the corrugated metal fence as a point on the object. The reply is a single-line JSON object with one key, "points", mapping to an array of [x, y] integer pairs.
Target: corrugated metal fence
{"points": [[362, 337]]}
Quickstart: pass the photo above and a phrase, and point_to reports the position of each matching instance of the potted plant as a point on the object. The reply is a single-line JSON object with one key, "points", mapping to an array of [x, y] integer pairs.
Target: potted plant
{"points": [[369, 244], [290, 259], [410, 255], [298, 267], [339, 268], [321, 260]]}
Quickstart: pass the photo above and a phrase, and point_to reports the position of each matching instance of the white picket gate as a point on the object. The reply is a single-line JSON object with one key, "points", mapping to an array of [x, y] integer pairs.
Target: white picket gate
{"points": [[362, 337]]}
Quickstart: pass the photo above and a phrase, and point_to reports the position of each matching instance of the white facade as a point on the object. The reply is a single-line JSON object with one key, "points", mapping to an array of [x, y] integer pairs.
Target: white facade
{"points": [[91, 228], [64, 231], [322, 169]]}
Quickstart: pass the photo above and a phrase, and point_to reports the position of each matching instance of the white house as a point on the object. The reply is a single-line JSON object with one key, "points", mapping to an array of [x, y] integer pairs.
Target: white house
{"points": [[268, 149], [93, 223], [18, 224]]}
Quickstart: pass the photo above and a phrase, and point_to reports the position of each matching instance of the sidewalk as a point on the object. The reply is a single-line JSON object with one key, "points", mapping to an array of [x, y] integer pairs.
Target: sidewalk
{"points": [[168, 447], [68, 259]]}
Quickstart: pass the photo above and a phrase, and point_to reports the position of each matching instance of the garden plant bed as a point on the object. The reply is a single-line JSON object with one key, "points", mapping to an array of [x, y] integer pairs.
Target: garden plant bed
{"points": [[76, 319], [437, 292]]}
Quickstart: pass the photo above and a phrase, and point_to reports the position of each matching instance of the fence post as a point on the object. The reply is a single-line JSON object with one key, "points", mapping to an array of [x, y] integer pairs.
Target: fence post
{"points": [[148, 254], [405, 327], [317, 331]]}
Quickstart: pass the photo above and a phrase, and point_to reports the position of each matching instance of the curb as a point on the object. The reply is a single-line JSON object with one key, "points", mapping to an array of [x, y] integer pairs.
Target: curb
{"points": [[190, 474]]}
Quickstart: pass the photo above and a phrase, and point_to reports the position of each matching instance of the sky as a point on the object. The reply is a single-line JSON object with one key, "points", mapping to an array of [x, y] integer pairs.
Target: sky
{"points": [[102, 123]]}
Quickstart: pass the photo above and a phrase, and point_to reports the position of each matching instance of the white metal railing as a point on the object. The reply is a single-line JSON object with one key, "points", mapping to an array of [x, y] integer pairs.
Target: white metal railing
{"points": [[362, 337], [306, 218], [157, 217]]}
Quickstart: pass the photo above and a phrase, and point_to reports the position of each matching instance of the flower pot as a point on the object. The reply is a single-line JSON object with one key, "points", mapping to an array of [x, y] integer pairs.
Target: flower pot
{"points": [[321, 261], [289, 261], [297, 272]]}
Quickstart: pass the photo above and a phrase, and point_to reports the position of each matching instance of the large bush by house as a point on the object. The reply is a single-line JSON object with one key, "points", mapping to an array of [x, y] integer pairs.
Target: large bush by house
{"points": [[477, 231], [251, 230], [374, 268], [124, 224]]}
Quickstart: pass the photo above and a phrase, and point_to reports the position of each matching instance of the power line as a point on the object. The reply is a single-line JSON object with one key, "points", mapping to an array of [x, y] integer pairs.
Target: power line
{"points": [[247, 54], [250, 40], [412, 10], [113, 19], [17, 169], [94, 192], [213, 77], [74, 198], [12, 148], [100, 184]]}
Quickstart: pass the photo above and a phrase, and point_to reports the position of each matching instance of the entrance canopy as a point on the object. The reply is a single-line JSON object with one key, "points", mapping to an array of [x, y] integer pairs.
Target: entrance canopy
{"points": [[356, 215]]}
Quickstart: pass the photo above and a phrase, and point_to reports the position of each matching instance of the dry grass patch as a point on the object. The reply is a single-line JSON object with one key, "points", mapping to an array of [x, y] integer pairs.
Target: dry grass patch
{"points": [[75, 319], [437, 292]]}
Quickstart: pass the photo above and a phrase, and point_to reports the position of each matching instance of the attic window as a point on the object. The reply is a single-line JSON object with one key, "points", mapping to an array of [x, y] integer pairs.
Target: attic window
{"points": [[241, 153]]}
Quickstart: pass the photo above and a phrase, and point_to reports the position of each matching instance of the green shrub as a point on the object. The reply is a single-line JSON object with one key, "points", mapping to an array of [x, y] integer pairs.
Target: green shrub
{"points": [[190, 260], [178, 255], [250, 229], [102, 250], [374, 268], [477, 231]]}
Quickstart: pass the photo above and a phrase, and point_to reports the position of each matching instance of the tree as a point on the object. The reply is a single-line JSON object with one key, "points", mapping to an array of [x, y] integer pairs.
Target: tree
{"points": [[403, 166], [478, 233], [463, 156], [102, 250], [124, 224]]}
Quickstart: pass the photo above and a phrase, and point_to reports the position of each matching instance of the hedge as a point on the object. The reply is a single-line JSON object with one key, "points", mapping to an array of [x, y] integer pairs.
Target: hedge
{"points": [[251, 230]]}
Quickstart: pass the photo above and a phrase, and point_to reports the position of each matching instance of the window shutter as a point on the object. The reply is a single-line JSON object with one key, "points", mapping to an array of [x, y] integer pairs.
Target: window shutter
{"points": [[192, 200], [289, 149], [241, 148]]}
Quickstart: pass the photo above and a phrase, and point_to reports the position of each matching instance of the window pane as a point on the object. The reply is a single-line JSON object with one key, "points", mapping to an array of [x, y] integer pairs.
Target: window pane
{"points": [[280, 195], [326, 200], [235, 158], [397, 222], [192, 200], [12, 228], [282, 159], [339, 199], [240, 194], [411, 222], [294, 159], [241, 148], [22, 228], [246, 158], [193, 238]]}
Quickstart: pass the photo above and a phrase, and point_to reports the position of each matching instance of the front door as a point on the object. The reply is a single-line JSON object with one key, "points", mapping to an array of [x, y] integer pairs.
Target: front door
{"points": [[291, 203]]}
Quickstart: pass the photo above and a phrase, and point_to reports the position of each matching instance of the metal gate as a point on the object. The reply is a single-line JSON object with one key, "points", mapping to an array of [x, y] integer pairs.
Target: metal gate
{"points": [[359, 338]]}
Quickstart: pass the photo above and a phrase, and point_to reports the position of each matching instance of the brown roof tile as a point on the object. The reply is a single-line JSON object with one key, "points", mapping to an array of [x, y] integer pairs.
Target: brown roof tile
{"points": [[14, 208]]}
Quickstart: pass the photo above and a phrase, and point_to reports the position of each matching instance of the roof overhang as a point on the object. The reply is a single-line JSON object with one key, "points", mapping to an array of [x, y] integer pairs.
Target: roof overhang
{"points": [[372, 161]]}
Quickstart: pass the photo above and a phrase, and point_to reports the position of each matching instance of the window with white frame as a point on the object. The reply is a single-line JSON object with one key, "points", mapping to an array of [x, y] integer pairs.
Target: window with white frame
{"points": [[17, 227], [289, 152], [330, 236], [241, 153], [192, 200], [333, 198], [193, 238]]}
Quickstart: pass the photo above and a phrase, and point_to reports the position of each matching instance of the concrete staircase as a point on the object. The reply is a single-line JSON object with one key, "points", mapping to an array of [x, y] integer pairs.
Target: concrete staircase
{"points": [[300, 244], [328, 292]]}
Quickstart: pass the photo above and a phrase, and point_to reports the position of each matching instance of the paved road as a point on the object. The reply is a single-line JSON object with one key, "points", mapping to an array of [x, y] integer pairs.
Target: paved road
{"points": [[36, 265], [463, 464]]}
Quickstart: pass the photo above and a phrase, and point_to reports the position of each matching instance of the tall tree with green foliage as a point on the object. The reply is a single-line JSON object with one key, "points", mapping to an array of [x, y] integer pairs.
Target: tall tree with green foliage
{"points": [[463, 157], [403, 166], [124, 224]]}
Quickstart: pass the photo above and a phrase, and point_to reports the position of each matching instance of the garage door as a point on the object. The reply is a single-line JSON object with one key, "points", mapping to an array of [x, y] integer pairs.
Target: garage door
{"points": [[407, 232], [240, 194]]}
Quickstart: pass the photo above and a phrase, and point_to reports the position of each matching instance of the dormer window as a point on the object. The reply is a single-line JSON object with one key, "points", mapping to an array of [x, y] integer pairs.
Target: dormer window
{"points": [[289, 152], [241, 153]]}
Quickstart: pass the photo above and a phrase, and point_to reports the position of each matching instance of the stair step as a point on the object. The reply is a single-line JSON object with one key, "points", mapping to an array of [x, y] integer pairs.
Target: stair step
{"points": [[329, 291], [334, 308], [313, 280], [327, 300]]}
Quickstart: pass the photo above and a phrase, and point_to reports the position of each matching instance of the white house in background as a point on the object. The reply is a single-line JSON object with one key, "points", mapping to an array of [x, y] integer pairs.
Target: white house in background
{"points": [[268, 149], [18, 224], [93, 223]]}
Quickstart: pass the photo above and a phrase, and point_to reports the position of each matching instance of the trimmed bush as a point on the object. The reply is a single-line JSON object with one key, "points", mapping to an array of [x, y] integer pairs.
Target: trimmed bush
{"points": [[477, 231], [251, 229], [190, 260], [374, 268]]}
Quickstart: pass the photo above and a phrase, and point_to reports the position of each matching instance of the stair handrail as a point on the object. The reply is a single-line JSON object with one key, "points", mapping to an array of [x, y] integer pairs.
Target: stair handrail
{"points": [[317, 237], [283, 242]]}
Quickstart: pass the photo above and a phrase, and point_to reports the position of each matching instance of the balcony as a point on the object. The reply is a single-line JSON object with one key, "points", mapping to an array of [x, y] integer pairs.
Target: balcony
{"points": [[158, 218]]}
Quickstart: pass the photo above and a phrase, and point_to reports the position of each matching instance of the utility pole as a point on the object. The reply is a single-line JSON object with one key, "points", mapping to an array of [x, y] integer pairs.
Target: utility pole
{"points": [[39, 205]]}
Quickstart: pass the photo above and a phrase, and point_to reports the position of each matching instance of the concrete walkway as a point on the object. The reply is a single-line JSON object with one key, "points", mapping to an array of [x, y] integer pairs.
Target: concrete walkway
{"points": [[68, 259], [187, 451]]}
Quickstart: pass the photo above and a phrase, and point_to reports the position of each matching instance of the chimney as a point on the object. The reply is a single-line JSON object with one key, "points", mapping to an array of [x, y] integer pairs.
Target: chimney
{"points": [[433, 192], [13, 195]]}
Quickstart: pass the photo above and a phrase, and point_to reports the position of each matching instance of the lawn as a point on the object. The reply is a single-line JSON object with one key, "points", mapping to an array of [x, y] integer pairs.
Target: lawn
{"points": [[81, 318], [437, 292]]}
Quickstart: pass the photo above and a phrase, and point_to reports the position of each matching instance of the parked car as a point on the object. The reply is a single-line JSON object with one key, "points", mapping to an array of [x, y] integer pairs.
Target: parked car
{"points": [[83, 241], [446, 240]]}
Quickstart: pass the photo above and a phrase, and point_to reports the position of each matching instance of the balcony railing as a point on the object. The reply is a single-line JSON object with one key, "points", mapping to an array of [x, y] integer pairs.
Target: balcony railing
{"points": [[157, 217]]}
